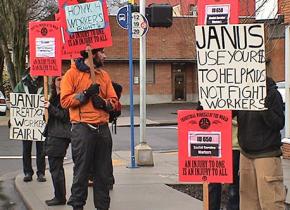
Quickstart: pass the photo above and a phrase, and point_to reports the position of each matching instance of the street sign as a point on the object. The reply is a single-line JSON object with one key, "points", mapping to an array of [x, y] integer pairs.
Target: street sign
{"points": [[122, 17], [139, 25]]}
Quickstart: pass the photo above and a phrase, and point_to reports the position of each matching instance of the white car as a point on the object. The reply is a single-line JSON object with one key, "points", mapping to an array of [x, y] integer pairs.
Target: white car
{"points": [[3, 105]]}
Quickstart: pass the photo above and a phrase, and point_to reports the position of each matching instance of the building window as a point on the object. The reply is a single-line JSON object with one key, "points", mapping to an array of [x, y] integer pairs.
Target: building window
{"points": [[150, 73]]}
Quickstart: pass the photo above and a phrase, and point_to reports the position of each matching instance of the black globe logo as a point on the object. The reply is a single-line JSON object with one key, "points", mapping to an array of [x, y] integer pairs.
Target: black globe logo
{"points": [[204, 123], [44, 31]]}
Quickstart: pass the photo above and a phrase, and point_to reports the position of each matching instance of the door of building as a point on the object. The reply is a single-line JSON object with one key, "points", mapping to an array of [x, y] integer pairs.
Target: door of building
{"points": [[178, 77]]}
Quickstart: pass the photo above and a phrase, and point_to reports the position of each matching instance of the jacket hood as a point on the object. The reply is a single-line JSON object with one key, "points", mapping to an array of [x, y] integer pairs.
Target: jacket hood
{"points": [[80, 64]]}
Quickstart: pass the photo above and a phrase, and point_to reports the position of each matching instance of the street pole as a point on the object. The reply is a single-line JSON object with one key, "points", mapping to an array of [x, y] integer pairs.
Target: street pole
{"points": [[130, 46], [144, 156], [142, 81], [287, 82]]}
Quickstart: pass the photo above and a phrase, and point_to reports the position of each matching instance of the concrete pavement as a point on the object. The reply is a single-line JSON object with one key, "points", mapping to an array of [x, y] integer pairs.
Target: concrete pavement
{"points": [[141, 188]]}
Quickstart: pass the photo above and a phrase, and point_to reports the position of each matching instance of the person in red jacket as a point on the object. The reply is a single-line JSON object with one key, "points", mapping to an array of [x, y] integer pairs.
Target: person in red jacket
{"points": [[89, 106]]}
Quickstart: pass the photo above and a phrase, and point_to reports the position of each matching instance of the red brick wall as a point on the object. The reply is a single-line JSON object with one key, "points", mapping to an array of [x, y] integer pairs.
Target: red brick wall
{"points": [[162, 43], [176, 42], [285, 9]]}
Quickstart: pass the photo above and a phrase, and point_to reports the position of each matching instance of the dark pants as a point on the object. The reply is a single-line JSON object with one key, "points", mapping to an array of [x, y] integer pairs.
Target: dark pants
{"points": [[110, 168], [58, 177], [40, 158], [215, 192], [91, 147], [215, 189], [234, 188]]}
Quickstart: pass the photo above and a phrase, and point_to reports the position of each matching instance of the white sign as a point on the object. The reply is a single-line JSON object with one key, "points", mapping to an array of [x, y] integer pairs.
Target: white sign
{"points": [[45, 47], [231, 66], [26, 116], [201, 144], [217, 14], [139, 25], [85, 16], [266, 9]]}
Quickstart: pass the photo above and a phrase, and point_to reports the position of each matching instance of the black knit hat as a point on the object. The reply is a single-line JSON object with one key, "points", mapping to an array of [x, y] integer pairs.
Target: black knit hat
{"points": [[85, 54]]}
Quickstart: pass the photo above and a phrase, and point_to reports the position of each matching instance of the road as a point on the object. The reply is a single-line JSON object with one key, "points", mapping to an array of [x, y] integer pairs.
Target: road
{"points": [[159, 138]]}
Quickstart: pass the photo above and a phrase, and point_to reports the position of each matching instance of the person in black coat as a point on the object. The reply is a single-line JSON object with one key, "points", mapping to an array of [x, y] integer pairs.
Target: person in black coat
{"points": [[57, 135]]}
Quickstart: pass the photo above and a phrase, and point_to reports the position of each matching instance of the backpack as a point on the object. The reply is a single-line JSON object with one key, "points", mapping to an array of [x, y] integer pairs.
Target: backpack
{"points": [[117, 111]]}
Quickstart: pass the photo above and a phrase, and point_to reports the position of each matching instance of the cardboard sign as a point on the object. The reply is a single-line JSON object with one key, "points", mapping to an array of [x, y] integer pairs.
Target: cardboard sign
{"points": [[26, 116], [205, 146], [231, 66], [84, 17], [74, 42], [218, 12], [45, 48]]}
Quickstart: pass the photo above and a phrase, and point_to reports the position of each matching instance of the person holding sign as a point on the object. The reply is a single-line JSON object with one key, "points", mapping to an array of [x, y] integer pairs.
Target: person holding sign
{"points": [[89, 95], [32, 85], [261, 174], [57, 133]]}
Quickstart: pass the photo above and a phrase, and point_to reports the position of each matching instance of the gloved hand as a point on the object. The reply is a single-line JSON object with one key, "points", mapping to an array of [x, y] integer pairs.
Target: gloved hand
{"points": [[98, 102], [92, 90]]}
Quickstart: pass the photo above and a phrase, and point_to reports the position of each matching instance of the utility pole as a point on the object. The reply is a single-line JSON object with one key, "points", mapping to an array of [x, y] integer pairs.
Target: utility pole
{"points": [[287, 82], [144, 155]]}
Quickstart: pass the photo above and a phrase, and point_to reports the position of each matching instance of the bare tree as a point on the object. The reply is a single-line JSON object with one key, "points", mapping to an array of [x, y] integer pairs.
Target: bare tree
{"points": [[14, 18]]}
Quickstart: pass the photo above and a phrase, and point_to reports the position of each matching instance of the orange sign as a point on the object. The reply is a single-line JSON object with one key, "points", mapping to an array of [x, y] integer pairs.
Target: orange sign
{"points": [[205, 146], [45, 48], [75, 15]]}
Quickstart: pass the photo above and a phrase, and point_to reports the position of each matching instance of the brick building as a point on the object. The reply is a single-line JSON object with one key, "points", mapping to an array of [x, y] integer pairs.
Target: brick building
{"points": [[171, 58], [171, 74]]}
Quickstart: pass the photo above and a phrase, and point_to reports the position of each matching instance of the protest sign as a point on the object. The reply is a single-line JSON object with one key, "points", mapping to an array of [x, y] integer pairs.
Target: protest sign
{"points": [[205, 146], [26, 116], [84, 17], [83, 24], [231, 66], [213, 12], [45, 48]]}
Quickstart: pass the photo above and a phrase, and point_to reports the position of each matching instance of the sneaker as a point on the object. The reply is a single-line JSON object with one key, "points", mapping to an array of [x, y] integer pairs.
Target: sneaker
{"points": [[27, 178], [41, 178], [55, 202]]}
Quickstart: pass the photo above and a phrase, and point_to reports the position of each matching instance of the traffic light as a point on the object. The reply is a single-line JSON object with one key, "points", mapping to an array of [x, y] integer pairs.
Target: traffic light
{"points": [[158, 15]]}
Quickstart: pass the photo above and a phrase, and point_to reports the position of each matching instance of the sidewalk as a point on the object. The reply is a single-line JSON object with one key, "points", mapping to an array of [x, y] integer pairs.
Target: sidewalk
{"points": [[142, 188]]}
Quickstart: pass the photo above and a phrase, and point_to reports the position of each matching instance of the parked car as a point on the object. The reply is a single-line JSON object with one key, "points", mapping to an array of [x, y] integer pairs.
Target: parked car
{"points": [[281, 89], [3, 105]]}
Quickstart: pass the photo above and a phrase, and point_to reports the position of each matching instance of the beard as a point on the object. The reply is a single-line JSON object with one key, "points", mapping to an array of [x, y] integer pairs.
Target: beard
{"points": [[97, 63]]}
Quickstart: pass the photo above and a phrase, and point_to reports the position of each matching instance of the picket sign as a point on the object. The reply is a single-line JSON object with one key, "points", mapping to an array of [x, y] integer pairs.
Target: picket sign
{"points": [[229, 9]]}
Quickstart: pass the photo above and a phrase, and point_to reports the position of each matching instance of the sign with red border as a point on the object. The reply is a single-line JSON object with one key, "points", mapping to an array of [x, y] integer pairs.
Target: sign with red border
{"points": [[205, 146], [216, 12], [45, 48], [74, 42]]}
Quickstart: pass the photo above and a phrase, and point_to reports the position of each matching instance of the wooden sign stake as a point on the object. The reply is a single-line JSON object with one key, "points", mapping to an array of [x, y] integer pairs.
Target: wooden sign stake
{"points": [[205, 196], [90, 60], [45, 88]]}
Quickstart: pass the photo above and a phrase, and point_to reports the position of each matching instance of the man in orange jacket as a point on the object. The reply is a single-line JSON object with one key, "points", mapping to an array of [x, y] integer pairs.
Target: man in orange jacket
{"points": [[91, 139]]}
